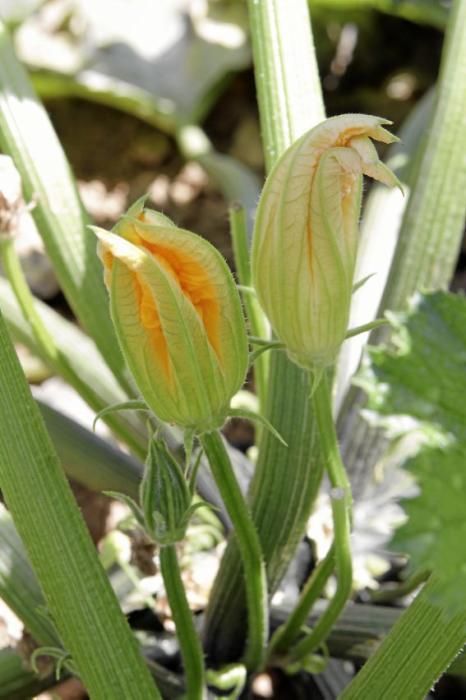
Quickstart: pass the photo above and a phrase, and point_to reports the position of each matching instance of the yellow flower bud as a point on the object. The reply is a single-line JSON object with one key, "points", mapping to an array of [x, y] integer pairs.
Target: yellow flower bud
{"points": [[306, 233], [178, 317]]}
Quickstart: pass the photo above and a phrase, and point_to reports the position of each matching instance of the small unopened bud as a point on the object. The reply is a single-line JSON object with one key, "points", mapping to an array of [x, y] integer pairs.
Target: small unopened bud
{"points": [[165, 496]]}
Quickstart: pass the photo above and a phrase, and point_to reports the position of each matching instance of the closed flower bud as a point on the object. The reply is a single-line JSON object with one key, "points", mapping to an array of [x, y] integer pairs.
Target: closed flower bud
{"points": [[178, 318], [306, 234], [165, 496]]}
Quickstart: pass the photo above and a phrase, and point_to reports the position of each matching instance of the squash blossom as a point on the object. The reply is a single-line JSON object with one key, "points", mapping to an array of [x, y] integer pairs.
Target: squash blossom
{"points": [[178, 317], [306, 234]]}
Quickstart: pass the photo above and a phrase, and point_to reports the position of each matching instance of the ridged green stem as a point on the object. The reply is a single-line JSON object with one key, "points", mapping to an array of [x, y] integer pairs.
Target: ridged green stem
{"points": [[255, 315], [340, 496], [285, 635], [286, 479], [190, 645], [430, 235], [79, 597], [418, 649], [253, 569]]}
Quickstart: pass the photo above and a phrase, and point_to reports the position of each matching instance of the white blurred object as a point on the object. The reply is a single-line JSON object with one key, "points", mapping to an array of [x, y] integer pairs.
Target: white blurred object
{"points": [[15, 215]]}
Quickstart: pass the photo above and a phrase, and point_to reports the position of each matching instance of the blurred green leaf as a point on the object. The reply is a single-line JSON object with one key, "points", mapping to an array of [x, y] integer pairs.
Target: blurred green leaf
{"points": [[435, 532], [171, 56], [28, 136], [433, 12], [422, 375]]}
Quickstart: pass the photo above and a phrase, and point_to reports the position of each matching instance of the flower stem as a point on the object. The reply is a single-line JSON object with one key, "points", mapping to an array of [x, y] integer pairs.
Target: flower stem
{"points": [[248, 544], [289, 631], [257, 322], [341, 509], [191, 650], [14, 272]]}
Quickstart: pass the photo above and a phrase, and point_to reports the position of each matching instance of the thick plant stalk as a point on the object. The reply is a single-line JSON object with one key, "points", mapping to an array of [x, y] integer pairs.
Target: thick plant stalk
{"points": [[419, 648], [286, 479], [253, 570], [430, 236], [191, 650], [28, 136], [431, 230], [78, 594], [340, 496]]}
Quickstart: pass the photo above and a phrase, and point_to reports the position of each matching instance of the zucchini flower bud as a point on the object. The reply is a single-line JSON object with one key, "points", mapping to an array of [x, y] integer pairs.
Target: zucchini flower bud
{"points": [[178, 318], [306, 234]]}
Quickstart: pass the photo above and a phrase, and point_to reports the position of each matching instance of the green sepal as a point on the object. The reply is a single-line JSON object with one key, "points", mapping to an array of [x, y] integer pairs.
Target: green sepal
{"points": [[360, 283], [376, 323], [258, 418], [264, 344], [133, 405], [131, 503], [61, 656]]}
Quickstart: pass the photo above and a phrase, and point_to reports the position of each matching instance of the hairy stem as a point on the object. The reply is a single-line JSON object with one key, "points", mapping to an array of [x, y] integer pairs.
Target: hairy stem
{"points": [[248, 545], [290, 630], [191, 650]]}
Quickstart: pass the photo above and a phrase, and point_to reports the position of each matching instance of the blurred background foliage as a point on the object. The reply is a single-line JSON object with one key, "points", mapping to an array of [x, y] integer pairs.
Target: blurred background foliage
{"points": [[111, 71]]}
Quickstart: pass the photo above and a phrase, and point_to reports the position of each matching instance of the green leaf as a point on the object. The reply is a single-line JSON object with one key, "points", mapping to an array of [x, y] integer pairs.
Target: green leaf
{"points": [[76, 589], [422, 375], [170, 59], [430, 12], [435, 532], [28, 136]]}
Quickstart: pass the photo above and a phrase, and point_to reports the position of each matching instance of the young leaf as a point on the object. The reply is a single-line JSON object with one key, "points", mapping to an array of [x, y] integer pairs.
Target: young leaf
{"points": [[435, 532], [422, 375]]}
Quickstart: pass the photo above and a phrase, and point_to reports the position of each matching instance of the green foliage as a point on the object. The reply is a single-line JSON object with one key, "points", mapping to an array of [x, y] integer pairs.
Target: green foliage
{"points": [[168, 67], [431, 12], [422, 375]]}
